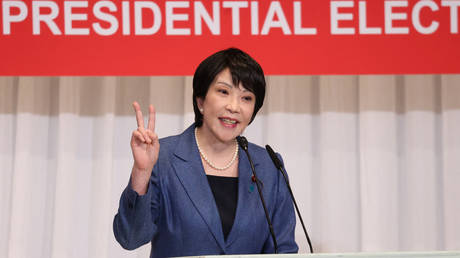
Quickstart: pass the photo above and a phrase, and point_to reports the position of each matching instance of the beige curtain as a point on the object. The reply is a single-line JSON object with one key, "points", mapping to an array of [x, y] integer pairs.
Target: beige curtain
{"points": [[374, 160]]}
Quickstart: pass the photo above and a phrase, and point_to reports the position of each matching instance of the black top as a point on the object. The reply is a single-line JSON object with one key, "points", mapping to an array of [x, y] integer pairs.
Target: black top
{"points": [[225, 191]]}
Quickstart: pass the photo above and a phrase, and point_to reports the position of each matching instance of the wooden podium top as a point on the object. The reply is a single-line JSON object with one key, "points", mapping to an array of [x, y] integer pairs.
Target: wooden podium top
{"points": [[442, 254]]}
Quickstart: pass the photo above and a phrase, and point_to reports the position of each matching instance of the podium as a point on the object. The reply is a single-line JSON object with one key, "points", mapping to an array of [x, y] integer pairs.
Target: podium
{"points": [[440, 254]]}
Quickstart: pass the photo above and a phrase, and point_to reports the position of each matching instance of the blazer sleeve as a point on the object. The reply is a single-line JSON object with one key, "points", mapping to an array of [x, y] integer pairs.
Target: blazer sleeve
{"points": [[283, 220], [135, 223]]}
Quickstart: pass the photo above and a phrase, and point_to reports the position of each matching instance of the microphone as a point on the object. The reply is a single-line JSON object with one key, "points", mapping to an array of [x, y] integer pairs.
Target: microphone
{"points": [[279, 166], [243, 142]]}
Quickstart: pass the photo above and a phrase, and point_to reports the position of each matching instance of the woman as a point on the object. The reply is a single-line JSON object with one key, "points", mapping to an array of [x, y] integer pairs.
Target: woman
{"points": [[196, 196]]}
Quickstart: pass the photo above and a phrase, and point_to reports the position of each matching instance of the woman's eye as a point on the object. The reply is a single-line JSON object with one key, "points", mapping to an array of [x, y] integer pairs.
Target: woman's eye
{"points": [[223, 91], [247, 98]]}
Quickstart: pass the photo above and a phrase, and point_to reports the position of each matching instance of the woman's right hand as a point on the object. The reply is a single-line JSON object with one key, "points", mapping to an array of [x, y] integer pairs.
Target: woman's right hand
{"points": [[145, 148]]}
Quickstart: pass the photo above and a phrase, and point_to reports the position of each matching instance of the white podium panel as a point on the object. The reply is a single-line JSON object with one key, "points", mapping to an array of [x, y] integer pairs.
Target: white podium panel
{"points": [[443, 254]]}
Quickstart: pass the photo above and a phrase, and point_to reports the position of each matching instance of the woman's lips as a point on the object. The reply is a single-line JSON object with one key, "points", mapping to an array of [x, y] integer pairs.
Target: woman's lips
{"points": [[228, 122]]}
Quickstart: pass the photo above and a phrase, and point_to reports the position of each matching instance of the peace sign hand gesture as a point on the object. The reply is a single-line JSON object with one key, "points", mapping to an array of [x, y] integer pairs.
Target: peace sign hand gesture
{"points": [[145, 147]]}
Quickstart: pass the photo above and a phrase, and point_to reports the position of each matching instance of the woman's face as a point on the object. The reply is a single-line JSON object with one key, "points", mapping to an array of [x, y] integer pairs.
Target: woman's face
{"points": [[227, 108]]}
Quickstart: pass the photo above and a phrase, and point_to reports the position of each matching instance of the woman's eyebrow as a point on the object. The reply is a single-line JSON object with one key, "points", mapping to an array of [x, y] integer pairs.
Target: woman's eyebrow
{"points": [[225, 83], [233, 86]]}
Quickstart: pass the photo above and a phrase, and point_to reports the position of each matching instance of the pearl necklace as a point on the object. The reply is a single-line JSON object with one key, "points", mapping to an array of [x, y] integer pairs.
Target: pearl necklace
{"points": [[235, 154]]}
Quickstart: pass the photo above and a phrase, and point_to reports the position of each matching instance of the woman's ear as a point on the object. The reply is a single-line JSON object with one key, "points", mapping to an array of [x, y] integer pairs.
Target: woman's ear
{"points": [[199, 102]]}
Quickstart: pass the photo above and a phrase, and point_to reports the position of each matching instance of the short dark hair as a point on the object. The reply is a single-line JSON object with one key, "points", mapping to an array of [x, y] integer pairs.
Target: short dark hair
{"points": [[243, 68]]}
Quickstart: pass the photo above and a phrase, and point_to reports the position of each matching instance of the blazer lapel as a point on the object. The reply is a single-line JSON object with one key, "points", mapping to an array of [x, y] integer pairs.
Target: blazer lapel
{"points": [[189, 169], [248, 199]]}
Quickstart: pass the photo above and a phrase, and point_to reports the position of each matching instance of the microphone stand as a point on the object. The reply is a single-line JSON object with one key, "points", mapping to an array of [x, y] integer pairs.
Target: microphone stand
{"points": [[243, 142], [280, 167]]}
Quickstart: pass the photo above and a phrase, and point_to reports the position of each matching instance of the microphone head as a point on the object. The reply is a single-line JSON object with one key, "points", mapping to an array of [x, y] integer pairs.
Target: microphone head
{"points": [[273, 156], [243, 142]]}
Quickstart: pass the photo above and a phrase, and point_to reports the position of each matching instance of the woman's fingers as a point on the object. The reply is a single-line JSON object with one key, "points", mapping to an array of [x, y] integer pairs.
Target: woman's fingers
{"points": [[153, 136], [139, 118], [145, 135], [138, 135], [151, 124]]}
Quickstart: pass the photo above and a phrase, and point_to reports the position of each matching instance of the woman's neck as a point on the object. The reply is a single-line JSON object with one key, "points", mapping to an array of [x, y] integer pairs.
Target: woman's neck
{"points": [[213, 146], [219, 158]]}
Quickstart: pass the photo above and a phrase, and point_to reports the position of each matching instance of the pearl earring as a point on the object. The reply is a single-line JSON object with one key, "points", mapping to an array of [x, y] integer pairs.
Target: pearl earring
{"points": [[201, 110]]}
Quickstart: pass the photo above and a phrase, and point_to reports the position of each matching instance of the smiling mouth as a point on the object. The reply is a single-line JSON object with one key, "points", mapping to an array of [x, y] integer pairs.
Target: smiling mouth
{"points": [[228, 121]]}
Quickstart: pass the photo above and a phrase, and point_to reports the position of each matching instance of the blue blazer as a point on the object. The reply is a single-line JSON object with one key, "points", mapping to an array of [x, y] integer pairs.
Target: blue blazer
{"points": [[179, 216]]}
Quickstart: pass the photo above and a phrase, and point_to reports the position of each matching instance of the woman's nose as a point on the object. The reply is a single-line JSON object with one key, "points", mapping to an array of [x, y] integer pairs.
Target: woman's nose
{"points": [[233, 105]]}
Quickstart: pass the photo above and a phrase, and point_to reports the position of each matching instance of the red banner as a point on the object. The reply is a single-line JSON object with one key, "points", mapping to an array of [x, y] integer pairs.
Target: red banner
{"points": [[99, 37]]}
